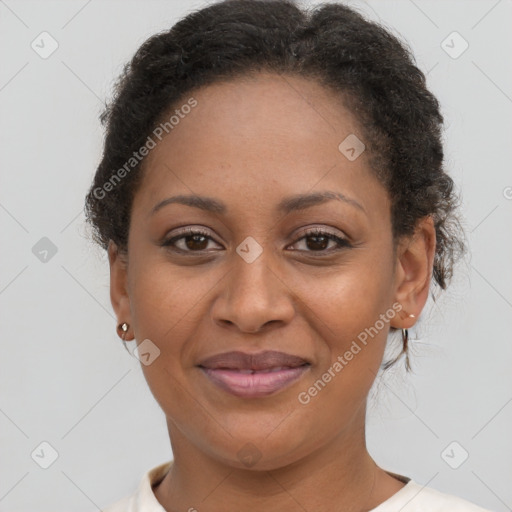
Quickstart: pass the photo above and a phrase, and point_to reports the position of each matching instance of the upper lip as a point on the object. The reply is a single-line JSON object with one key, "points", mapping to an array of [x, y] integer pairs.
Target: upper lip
{"points": [[261, 361]]}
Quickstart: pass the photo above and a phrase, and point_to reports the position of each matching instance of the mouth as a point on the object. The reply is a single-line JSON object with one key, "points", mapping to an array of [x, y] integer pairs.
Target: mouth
{"points": [[254, 375]]}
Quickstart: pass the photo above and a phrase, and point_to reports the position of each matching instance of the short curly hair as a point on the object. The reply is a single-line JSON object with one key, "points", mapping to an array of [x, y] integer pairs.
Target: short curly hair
{"points": [[363, 63]]}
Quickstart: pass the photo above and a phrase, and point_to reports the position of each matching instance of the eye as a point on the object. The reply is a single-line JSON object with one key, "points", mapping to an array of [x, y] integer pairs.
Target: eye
{"points": [[196, 240], [320, 240], [191, 240]]}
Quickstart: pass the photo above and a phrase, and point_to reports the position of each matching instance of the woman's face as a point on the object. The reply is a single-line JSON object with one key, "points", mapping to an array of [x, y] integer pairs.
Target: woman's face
{"points": [[255, 281]]}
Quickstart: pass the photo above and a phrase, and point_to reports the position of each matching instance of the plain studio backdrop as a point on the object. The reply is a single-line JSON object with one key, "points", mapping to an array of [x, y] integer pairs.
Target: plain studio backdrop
{"points": [[65, 379]]}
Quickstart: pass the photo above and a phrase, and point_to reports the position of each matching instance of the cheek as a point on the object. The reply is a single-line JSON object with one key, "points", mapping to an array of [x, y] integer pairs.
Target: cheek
{"points": [[166, 300], [346, 302], [351, 316], [168, 304], [162, 310]]}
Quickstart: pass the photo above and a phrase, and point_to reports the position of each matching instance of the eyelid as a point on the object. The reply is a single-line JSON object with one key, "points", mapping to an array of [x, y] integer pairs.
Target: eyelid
{"points": [[340, 239], [188, 231], [192, 230], [199, 230], [322, 230]]}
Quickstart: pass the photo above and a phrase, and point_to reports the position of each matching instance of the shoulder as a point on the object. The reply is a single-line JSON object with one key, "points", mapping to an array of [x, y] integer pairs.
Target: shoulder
{"points": [[143, 499], [433, 500], [414, 497]]}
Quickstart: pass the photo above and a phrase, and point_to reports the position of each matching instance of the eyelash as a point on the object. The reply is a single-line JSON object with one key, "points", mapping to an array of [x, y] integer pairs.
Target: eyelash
{"points": [[342, 242]]}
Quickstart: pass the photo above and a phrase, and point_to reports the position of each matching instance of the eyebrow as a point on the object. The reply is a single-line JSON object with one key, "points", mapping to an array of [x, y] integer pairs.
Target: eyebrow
{"points": [[287, 205]]}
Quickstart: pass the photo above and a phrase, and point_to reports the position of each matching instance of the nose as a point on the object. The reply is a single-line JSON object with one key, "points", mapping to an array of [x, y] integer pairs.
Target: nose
{"points": [[253, 296]]}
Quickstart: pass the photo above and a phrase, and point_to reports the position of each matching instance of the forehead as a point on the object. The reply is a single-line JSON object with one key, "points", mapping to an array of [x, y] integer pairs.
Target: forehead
{"points": [[259, 137]]}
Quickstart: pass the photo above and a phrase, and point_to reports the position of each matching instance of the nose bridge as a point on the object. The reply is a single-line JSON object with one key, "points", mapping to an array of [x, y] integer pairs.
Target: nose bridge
{"points": [[253, 295], [251, 278]]}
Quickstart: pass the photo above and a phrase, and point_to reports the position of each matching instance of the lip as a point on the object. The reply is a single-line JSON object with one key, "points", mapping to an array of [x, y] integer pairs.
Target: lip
{"points": [[254, 375]]}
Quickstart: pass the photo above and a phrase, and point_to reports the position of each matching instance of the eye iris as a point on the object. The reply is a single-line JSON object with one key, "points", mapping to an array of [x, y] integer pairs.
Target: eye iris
{"points": [[317, 246], [196, 239]]}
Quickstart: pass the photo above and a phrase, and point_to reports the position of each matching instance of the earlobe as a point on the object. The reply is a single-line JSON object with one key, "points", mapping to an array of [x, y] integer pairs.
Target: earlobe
{"points": [[415, 259], [118, 284]]}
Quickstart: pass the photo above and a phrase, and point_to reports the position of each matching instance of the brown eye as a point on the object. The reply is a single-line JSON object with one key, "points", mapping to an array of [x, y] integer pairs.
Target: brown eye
{"points": [[317, 240], [196, 242], [320, 242], [191, 240]]}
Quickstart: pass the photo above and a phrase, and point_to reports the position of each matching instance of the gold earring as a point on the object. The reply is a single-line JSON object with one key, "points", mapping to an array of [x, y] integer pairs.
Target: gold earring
{"points": [[122, 329]]}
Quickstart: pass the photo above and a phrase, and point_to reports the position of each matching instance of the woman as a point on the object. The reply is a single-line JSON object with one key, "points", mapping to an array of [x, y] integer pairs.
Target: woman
{"points": [[273, 202]]}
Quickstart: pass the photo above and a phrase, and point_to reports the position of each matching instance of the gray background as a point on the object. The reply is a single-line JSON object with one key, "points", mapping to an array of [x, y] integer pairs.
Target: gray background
{"points": [[64, 375]]}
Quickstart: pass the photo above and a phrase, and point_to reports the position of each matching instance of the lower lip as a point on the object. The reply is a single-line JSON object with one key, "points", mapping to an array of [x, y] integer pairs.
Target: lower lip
{"points": [[253, 385]]}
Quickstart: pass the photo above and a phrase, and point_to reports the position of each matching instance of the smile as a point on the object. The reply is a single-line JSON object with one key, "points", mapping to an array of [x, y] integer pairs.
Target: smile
{"points": [[254, 375], [252, 383]]}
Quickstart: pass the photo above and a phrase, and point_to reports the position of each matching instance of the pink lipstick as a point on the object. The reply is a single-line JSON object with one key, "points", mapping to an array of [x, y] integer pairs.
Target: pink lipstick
{"points": [[254, 375]]}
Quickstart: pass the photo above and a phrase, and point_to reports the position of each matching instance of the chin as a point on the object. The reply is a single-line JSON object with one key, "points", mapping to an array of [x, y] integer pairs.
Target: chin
{"points": [[248, 448]]}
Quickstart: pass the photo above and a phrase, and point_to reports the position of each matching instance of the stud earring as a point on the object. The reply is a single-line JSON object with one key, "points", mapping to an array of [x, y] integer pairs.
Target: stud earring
{"points": [[122, 329]]}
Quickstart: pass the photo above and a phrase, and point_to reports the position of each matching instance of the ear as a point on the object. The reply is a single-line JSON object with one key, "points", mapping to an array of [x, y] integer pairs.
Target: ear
{"points": [[415, 260], [118, 287]]}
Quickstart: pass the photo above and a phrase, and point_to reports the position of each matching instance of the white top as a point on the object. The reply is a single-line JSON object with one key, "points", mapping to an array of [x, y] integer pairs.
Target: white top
{"points": [[411, 498]]}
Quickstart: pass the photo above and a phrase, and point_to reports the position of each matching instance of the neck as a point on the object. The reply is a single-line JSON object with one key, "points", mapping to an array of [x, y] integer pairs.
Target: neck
{"points": [[339, 476]]}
